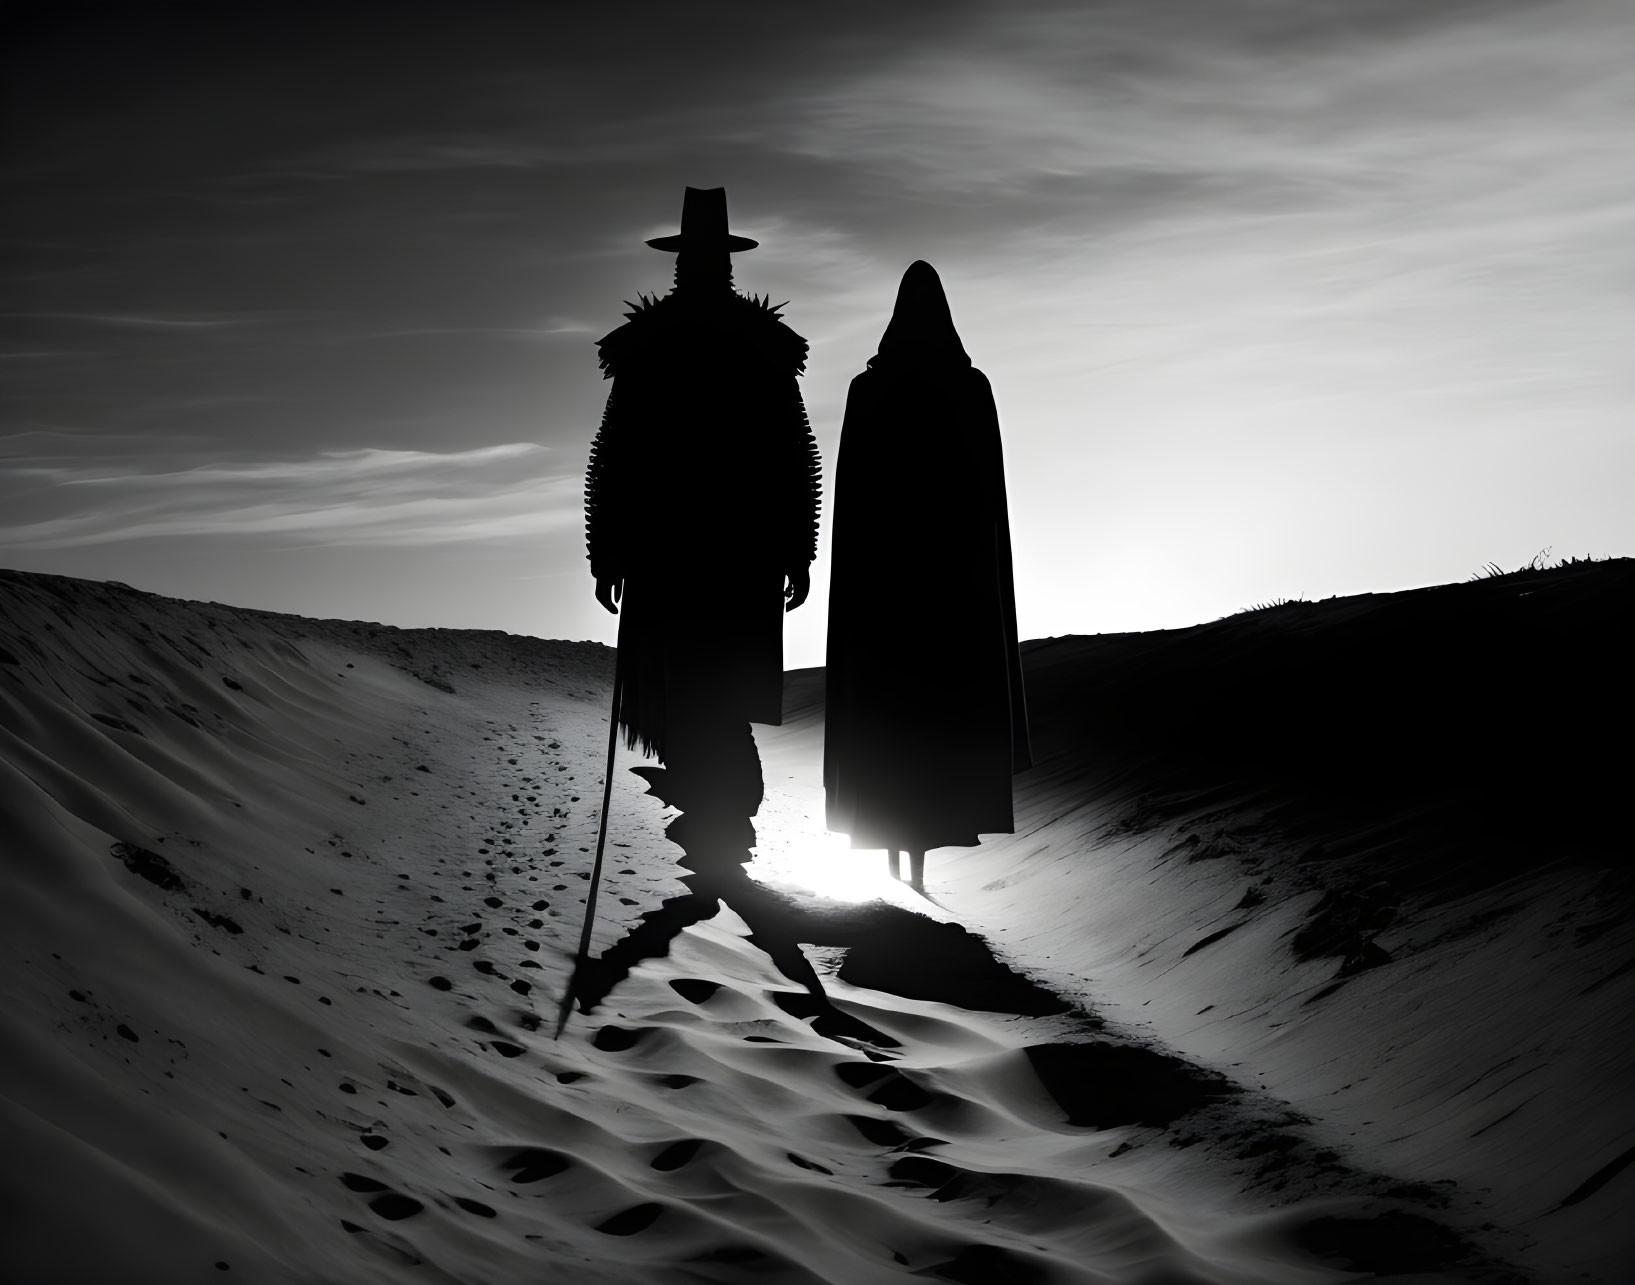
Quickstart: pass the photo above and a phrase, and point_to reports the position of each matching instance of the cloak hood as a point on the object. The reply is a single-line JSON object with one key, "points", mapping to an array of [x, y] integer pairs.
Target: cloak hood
{"points": [[921, 333]]}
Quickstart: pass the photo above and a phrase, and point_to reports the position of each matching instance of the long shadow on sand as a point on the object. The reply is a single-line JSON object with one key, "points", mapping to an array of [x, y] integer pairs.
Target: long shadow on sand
{"points": [[1096, 1083], [887, 947]]}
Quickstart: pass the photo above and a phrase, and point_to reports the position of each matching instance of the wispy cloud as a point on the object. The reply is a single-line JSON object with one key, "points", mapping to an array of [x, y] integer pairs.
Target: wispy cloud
{"points": [[129, 321], [1438, 196], [423, 153], [366, 497], [522, 145], [552, 328], [1105, 96]]}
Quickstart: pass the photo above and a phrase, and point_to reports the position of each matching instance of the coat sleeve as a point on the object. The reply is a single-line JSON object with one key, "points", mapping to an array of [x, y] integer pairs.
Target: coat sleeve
{"points": [[803, 473], [604, 529]]}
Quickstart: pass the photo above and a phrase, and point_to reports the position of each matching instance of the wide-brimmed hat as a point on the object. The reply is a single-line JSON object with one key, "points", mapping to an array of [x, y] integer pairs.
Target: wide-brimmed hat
{"points": [[703, 224]]}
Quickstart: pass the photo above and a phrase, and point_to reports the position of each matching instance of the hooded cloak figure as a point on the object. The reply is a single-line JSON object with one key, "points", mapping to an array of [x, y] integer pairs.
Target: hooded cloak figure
{"points": [[925, 716], [701, 501]]}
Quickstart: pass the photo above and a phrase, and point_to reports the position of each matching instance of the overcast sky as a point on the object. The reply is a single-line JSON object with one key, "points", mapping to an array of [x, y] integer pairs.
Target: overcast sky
{"points": [[1279, 298]]}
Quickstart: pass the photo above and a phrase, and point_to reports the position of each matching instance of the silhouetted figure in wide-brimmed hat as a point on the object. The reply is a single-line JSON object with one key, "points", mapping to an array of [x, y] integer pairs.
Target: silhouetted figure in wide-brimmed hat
{"points": [[701, 505], [925, 714]]}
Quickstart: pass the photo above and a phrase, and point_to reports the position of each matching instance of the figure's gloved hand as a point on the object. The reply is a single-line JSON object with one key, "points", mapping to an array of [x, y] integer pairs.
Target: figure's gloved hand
{"points": [[800, 584], [609, 592]]}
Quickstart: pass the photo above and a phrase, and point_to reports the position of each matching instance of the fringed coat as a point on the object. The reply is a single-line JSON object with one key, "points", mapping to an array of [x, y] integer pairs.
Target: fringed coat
{"points": [[701, 493], [925, 715]]}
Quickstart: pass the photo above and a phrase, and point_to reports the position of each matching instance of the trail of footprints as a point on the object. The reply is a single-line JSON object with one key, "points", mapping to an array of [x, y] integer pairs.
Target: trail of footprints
{"points": [[543, 794]]}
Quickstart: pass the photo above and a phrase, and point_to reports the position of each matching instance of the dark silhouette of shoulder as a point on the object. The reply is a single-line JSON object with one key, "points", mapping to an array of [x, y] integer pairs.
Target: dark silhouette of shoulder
{"points": [[672, 326]]}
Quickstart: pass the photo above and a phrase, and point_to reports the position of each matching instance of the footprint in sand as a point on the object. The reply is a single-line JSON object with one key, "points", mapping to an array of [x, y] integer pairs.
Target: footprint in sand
{"points": [[676, 1154], [391, 1205], [534, 1164], [986, 1265], [882, 1133], [616, 1039], [627, 1222], [885, 1087], [694, 990]]}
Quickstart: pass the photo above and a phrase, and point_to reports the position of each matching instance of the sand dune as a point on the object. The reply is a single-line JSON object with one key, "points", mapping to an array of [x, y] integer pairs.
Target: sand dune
{"points": [[1309, 962]]}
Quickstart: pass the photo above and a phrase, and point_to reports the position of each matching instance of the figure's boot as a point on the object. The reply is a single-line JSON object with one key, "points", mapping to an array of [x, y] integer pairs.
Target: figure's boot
{"points": [[891, 864], [916, 872]]}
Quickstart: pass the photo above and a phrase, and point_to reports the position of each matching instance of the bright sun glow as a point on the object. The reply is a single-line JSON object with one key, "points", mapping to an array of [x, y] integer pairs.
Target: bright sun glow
{"points": [[823, 864]]}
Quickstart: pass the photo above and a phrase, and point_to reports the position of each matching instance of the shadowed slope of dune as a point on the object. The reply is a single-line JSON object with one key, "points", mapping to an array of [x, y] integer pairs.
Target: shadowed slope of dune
{"points": [[1372, 851], [1445, 739], [290, 902]]}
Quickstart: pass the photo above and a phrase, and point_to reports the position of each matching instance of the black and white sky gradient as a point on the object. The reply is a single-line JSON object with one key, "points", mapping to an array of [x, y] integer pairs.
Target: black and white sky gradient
{"points": [[1278, 297]]}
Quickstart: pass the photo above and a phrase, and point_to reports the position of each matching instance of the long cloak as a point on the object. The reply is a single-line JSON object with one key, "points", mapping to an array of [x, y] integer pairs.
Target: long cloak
{"points": [[701, 493], [925, 715]]}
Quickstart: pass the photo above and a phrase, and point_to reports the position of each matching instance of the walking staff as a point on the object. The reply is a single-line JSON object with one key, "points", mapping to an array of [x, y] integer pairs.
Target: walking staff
{"points": [[601, 846]]}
